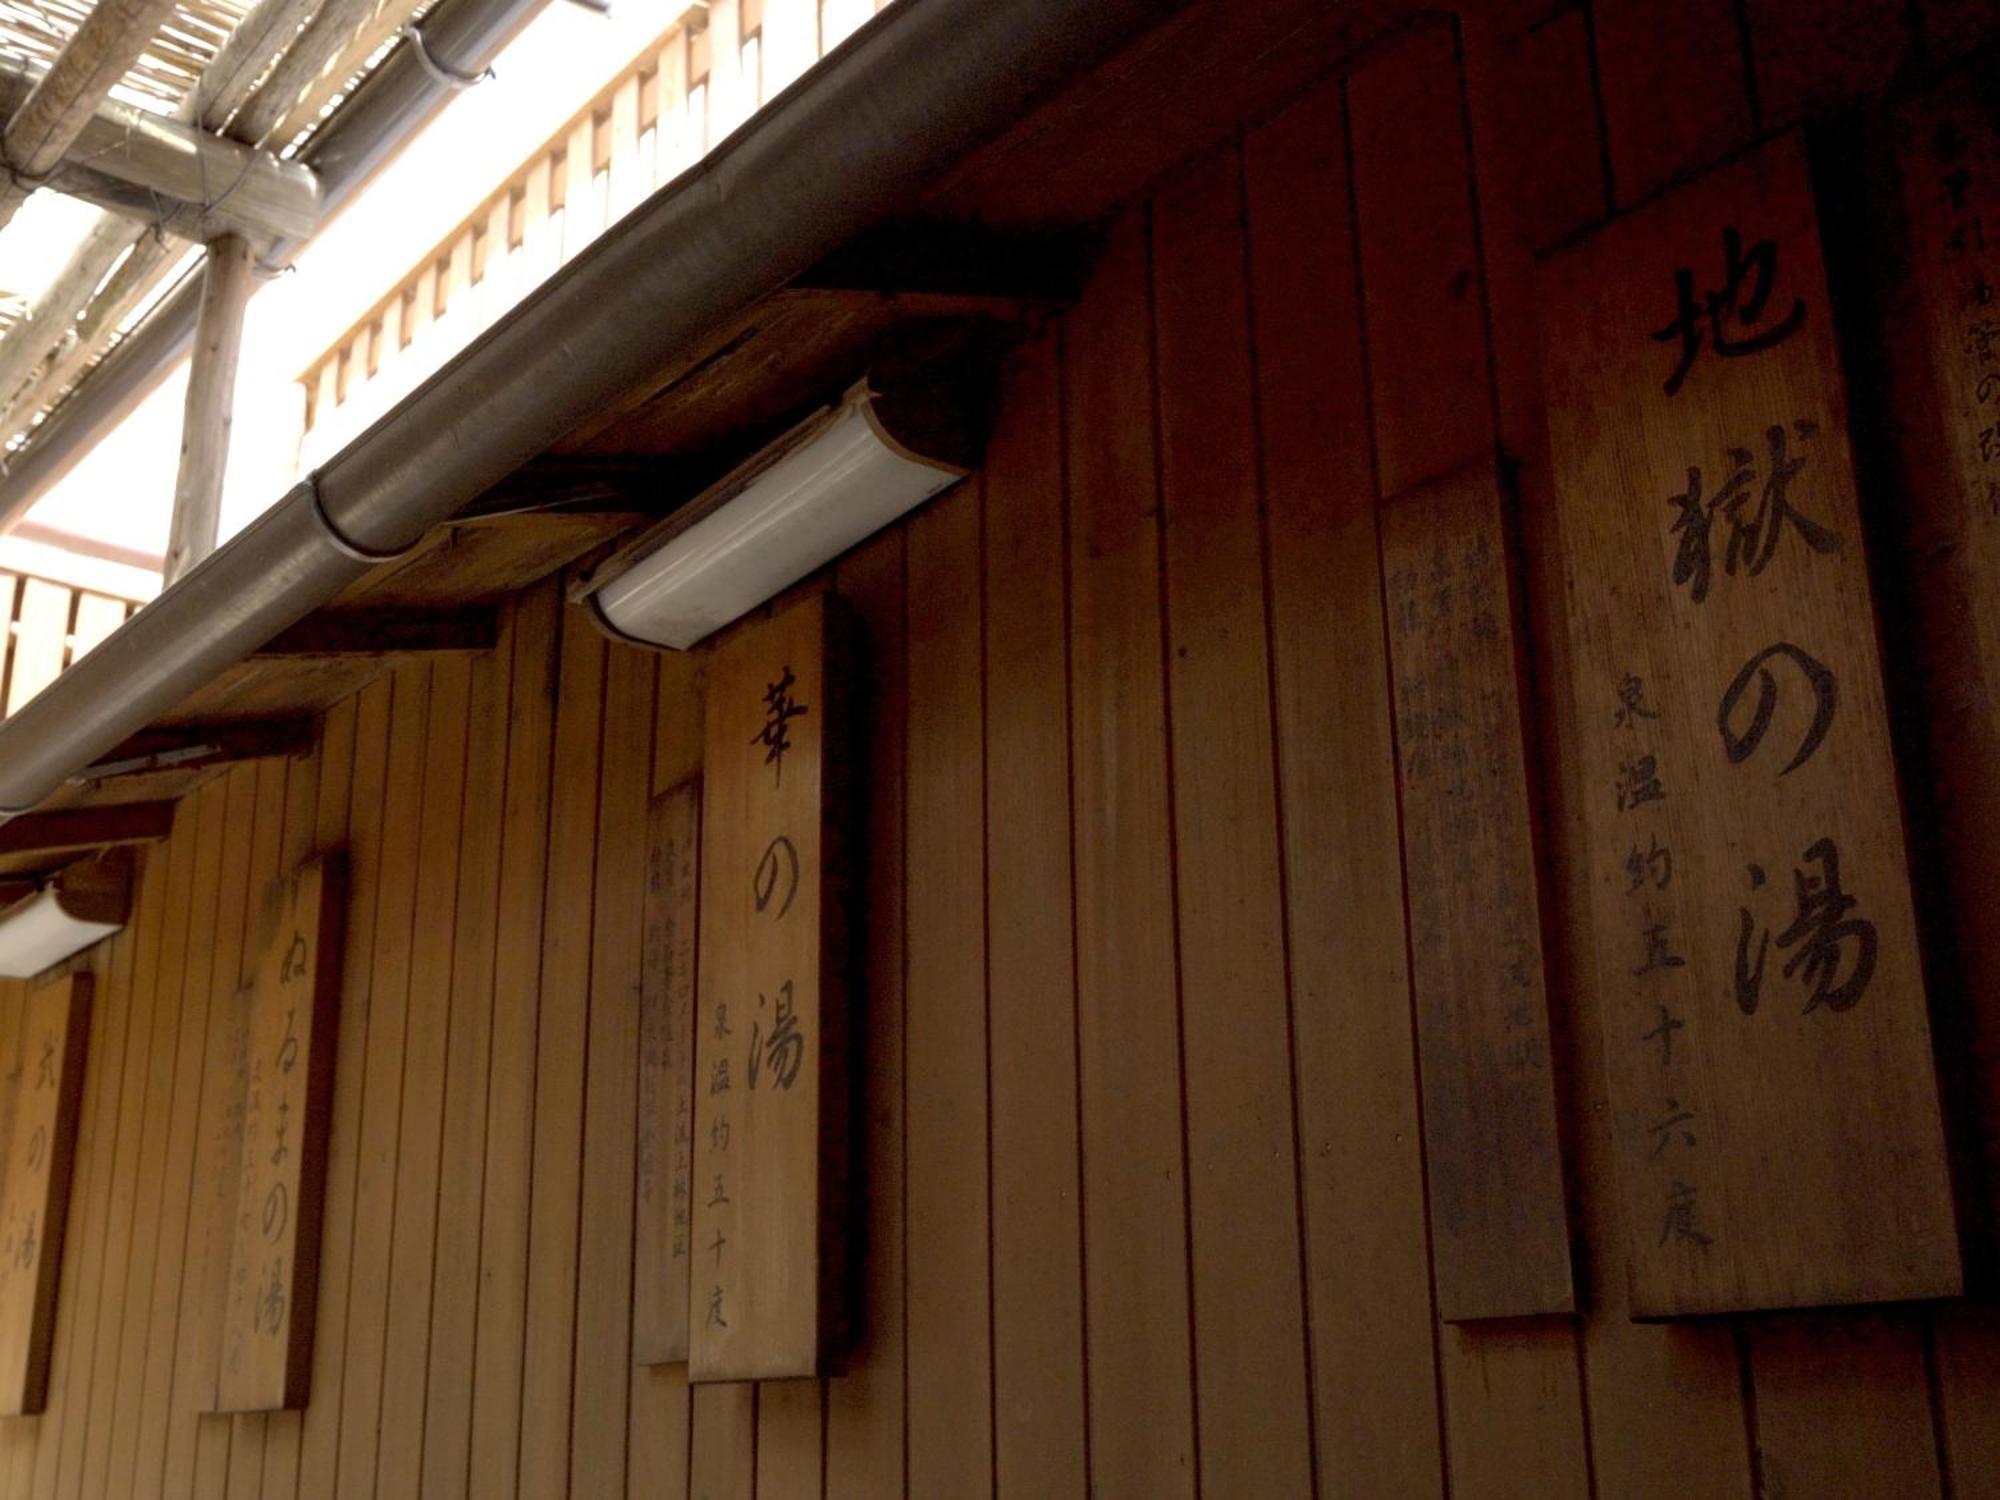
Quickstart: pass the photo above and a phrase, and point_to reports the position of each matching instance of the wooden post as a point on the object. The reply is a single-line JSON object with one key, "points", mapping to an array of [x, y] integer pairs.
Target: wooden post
{"points": [[225, 288]]}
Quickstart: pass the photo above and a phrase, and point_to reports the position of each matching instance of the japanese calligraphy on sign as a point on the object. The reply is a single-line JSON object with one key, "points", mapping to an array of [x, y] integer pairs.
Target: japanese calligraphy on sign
{"points": [[1939, 334], [664, 1226], [44, 1081], [762, 1248], [1757, 981], [286, 1073], [1500, 1229]]}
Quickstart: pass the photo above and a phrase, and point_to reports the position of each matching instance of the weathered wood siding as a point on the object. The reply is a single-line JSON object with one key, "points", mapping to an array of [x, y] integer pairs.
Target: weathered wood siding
{"points": [[1146, 1205]]}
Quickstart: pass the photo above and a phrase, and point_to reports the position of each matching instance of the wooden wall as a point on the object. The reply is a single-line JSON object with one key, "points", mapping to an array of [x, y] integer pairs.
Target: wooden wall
{"points": [[1146, 1213]]}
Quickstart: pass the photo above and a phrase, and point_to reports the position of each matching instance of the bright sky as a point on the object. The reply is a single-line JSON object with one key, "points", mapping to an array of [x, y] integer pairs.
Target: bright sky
{"points": [[123, 491]]}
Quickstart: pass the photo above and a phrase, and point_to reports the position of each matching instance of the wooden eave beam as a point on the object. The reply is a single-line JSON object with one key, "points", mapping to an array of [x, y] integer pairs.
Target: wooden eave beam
{"points": [[87, 828], [106, 42], [160, 171], [190, 747], [387, 632]]}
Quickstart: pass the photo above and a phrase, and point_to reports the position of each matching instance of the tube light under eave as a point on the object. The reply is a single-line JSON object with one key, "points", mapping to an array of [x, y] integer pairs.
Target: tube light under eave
{"points": [[800, 512], [37, 934]]}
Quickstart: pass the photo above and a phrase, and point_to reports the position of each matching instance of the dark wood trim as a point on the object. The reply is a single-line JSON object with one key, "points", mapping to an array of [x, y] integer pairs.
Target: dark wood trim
{"points": [[387, 632], [185, 747], [87, 827]]}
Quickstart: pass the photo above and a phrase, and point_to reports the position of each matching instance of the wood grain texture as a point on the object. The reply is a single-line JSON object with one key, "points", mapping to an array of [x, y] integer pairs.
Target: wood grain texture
{"points": [[1367, 1252], [1040, 1439], [865, 1452], [1249, 1306], [770, 1022], [45, 1096], [1422, 281], [1676, 98], [272, 1285], [1757, 969], [948, 1270], [1140, 1357], [1499, 1224], [664, 1210]]}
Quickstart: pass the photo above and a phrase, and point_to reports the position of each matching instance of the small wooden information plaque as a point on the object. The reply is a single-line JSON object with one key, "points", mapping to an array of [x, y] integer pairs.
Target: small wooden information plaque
{"points": [[1498, 1213], [664, 1226], [45, 1090], [771, 1095], [1767, 1044], [273, 1284]]}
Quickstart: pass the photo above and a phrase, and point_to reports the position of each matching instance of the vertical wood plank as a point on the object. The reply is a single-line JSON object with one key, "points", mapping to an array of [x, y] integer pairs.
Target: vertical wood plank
{"points": [[408, 841], [1843, 1407], [368, 831], [723, 1460], [1500, 1243], [865, 1408], [267, 1446], [1041, 1447], [505, 1223], [559, 1069], [448, 805], [664, 1212], [80, 1303], [948, 1270], [1249, 1314], [1367, 1252], [1422, 283], [1550, 103], [468, 1058], [220, 875], [45, 1109], [161, 904], [1675, 95], [1128, 1053], [661, 1409], [604, 1286], [40, 634], [1820, 55]]}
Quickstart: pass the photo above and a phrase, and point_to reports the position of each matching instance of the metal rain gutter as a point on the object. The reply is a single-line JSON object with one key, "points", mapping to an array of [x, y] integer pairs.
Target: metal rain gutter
{"points": [[862, 134], [462, 37]]}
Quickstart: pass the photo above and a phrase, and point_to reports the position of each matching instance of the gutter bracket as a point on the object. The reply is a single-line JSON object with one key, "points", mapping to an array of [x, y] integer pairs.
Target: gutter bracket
{"points": [[341, 542]]}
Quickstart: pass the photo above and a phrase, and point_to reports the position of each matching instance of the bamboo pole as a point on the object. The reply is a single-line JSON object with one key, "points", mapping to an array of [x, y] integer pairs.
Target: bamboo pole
{"points": [[68, 323], [225, 289], [97, 55]]}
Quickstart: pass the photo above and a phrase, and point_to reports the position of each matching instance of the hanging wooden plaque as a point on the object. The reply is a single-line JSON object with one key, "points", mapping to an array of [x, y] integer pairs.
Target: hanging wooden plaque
{"points": [[1499, 1224], [1777, 1120], [665, 1214], [1939, 310], [46, 1088], [770, 1080], [286, 1085]]}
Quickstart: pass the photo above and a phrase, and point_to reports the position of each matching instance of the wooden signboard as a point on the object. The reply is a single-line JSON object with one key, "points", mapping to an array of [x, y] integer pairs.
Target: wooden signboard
{"points": [[770, 1094], [1499, 1223], [1940, 333], [286, 1085], [45, 1088], [1768, 1051], [664, 1225]]}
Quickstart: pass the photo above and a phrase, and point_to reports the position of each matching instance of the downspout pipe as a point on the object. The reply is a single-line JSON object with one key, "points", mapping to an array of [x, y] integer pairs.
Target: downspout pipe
{"points": [[394, 102], [856, 138]]}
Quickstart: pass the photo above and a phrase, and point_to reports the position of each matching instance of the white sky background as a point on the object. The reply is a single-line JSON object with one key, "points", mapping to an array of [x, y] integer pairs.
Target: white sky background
{"points": [[123, 491]]}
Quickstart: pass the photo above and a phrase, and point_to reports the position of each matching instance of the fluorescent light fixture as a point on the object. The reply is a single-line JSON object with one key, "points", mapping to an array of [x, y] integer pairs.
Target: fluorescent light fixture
{"points": [[829, 483], [84, 905]]}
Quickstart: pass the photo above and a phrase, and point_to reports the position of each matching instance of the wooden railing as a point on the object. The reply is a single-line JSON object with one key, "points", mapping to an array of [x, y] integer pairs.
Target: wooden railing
{"points": [[49, 626], [711, 69]]}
